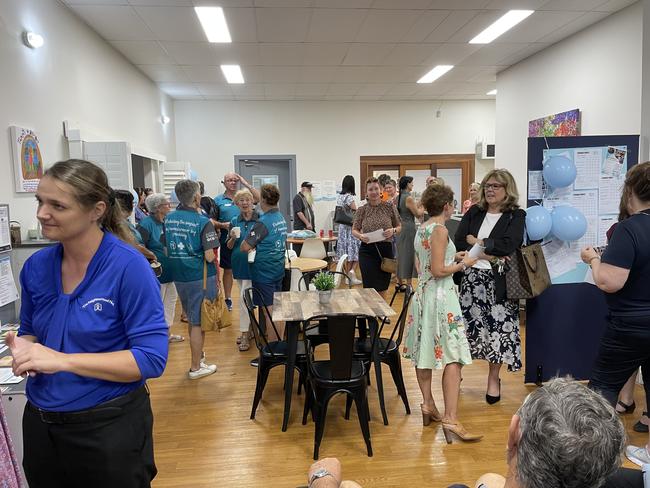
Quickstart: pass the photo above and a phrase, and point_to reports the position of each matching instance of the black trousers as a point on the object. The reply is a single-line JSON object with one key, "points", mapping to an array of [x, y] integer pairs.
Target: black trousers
{"points": [[109, 446], [624, 347]]}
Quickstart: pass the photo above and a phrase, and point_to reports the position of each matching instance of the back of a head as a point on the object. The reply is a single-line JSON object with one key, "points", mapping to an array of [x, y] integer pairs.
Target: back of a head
{"points": [[570, 437]]}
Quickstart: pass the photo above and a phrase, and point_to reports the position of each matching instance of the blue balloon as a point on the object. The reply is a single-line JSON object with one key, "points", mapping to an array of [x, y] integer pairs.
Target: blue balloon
{"points": [[173, 198], [136, 199], [538, 222], [194, 176], [559, 171], [569, 224]]}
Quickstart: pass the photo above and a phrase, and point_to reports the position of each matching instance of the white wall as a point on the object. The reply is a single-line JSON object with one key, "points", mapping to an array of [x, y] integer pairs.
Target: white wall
{"points": [[328, 138], [75, 76], [598, 70]]}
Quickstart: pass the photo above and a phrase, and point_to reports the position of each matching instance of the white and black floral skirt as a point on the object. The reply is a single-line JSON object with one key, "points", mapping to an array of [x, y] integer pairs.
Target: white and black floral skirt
{"points": [[492, 327]]}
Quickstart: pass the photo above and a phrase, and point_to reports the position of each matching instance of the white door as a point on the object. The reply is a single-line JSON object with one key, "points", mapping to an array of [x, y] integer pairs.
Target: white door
{"points": [[114, 158]]}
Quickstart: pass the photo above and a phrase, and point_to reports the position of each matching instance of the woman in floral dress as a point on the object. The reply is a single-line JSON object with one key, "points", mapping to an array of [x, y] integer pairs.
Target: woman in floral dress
{"points": [[436, 335], [347, 243]]}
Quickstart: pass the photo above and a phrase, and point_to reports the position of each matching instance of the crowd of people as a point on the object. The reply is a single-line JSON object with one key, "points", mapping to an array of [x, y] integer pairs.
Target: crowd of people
{"points": [[109, 288]]}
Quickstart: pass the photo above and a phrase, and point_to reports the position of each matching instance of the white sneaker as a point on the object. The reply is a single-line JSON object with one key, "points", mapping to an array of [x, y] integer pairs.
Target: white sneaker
{"points": [[204, 370], [638, 455], [353, 278]]}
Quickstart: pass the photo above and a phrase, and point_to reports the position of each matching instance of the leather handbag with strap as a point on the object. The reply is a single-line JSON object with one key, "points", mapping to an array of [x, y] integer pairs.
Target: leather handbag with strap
{"points": [[526, 273], [343, 215], [214, 313], [388, 265]]}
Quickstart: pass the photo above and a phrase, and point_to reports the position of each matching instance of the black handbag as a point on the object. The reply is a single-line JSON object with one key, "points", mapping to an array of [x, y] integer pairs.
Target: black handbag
{"points": [[343, 215]]}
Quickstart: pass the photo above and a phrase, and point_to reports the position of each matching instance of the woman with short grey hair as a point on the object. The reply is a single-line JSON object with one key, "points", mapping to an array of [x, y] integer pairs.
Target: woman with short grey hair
{"points": [[191, 240], [151, 229]]}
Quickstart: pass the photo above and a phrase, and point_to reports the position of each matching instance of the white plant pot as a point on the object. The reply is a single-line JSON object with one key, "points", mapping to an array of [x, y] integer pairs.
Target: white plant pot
{"points": [[324, 296]]}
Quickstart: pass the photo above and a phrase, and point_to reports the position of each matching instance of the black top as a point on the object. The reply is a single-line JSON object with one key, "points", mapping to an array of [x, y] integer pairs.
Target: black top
{"points": [[506, 237], [210, 207], [629, 248], [300, 205]]}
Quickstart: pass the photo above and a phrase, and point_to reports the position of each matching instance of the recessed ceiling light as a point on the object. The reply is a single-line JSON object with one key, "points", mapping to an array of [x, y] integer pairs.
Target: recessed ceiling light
{"points": [[233, 73], [214, 23], [503, 24], [492, 92], [164, 120], [32, 39], [435, 73]]}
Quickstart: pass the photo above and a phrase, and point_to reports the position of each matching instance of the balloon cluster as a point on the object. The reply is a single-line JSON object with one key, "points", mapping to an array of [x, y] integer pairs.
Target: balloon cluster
{"points": [[194, 176], [564, 222]]}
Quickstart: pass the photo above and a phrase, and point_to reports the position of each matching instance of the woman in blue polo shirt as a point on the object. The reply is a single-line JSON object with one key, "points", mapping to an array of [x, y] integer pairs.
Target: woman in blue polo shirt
{"points": [[92, 331], [240, 226], [191, 239], [269, 239]]}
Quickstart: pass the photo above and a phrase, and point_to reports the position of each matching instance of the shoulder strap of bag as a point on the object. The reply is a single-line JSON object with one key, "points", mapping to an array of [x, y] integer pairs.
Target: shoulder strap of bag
{"points": [[377, 248], [205, 275]]}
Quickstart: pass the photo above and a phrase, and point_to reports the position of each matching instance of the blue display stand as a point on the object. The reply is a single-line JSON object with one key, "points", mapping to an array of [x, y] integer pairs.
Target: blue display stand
{"points": [[565, 323]]}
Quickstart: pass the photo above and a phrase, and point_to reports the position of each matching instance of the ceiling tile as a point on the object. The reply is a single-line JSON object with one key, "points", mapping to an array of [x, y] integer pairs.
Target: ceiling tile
{"points": [[162, 3], [459, 4], [335, 25], [279, 74], [410, 54], [538, 25], [397, 74], [96, 2], [281, 91], [115, 23], [583, 5], [347, 89], [173, 23], [162, 73], [282, 24], [426, 23], [485, 75], [248, 90], [188, 53], [452, 24], [316, 74], [311, 89], [577, 25], [524, 53], [402, 4], [244, 54], [204, 74], [367, 54], [367, 98], [477, 25], [375, 89], [143, 52], [214, 89], [224, 3], [436, 88], [351, 4], [403, 89], [282, 54], [387, 25], [353, 74], [451, 54], [460, 74], [241, 24], [492, 54], [180, 89], [283, 3], [324, 54], [515, 4]]}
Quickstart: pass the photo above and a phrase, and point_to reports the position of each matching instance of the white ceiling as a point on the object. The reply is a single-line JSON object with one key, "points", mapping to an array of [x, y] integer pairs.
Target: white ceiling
{"points": [[332, 49]]}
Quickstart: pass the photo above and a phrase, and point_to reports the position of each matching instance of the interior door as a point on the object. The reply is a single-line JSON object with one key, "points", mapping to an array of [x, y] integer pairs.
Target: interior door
{"points": [[420, 173], [114, 158], [259, 172]]}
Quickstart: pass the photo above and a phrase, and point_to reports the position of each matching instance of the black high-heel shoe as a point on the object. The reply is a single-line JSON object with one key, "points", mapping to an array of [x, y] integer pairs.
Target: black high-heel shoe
{"points": [[491, 400]]}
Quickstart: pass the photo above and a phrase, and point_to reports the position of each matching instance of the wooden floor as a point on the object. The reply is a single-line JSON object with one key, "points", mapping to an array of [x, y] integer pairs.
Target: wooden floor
{"points": [[204, 437]]}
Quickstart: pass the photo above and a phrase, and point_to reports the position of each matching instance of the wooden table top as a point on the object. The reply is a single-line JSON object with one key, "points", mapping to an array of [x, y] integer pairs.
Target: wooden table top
{"points": [[302, 305], [325, 239], [306, 264]]}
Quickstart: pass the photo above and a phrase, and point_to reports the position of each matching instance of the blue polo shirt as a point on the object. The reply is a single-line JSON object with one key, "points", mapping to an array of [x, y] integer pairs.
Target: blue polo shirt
{"points": [[116, 307], [239, 259], [227, 211], [151, 231], [188, 234], [269, 238]]}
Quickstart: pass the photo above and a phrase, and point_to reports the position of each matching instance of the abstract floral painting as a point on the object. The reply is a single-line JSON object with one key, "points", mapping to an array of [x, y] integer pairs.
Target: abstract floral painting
{"points": [[563, 124], [28, 162]]}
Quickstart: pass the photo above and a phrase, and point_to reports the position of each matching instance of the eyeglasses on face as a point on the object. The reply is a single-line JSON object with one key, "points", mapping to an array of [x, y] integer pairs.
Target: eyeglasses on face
{"points": [[493, 186]]}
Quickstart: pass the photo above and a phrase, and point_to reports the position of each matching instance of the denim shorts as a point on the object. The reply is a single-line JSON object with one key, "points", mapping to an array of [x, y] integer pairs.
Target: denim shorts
{"points": [[191, 295], [266, 291]]}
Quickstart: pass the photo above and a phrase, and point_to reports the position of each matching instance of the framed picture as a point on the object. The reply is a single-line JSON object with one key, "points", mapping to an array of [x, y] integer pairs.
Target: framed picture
{"points": [[28, 162]]}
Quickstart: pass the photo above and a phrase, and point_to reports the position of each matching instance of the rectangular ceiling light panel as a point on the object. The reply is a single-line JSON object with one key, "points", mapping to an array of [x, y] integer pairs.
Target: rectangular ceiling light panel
{"points": [[233, 73], [214, 24], [503, 24], [435, 73]]}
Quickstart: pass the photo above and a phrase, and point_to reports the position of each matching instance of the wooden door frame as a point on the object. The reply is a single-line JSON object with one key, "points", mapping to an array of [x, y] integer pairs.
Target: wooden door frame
{"points": [[466, 162]]}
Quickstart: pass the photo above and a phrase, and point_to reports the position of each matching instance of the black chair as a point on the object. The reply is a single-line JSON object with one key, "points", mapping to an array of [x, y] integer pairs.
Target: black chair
{"points": [[317, 333], [271, 354], [388, 349], [340, 374]]}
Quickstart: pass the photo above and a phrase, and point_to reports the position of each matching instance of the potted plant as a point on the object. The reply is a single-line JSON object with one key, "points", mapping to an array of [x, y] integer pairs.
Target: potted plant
{"points": [[324, 283]]}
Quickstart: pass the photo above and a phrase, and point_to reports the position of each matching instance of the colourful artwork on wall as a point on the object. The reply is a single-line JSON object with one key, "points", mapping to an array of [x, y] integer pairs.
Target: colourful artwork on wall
{"points": [[28, 162], [558, 125]]}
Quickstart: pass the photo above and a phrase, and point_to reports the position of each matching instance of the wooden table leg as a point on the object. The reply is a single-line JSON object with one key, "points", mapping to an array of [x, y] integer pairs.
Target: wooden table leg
{"points": [[292, 346], [374, 329]]}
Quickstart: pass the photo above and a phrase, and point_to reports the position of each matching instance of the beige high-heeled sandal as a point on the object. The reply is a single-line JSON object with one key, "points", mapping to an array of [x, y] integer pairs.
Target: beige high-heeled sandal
{"points": [[459, 431], [429, 415]]}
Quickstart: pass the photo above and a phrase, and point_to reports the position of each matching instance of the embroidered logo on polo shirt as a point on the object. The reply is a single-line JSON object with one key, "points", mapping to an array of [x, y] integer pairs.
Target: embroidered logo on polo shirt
{"points": [[97, 303]]}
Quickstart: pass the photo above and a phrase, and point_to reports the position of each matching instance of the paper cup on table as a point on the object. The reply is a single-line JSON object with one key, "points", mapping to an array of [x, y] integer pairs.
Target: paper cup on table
{"points": [[236, 232], [251, 256], [476, 251]]}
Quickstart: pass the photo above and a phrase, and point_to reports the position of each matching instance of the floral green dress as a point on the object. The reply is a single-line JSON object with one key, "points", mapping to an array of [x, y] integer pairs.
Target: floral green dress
{"points": [[436, 330]]}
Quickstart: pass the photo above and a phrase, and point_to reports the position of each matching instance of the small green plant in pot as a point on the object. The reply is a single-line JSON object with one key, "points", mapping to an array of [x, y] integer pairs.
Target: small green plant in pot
{"points": [[324, 283]]}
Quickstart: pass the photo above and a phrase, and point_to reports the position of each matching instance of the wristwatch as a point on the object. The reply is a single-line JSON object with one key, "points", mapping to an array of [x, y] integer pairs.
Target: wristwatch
{"points": [[319, 473]]}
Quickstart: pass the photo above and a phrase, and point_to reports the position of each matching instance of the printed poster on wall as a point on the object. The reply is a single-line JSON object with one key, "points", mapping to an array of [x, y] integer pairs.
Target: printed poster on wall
{"points": [[28, 162]]}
